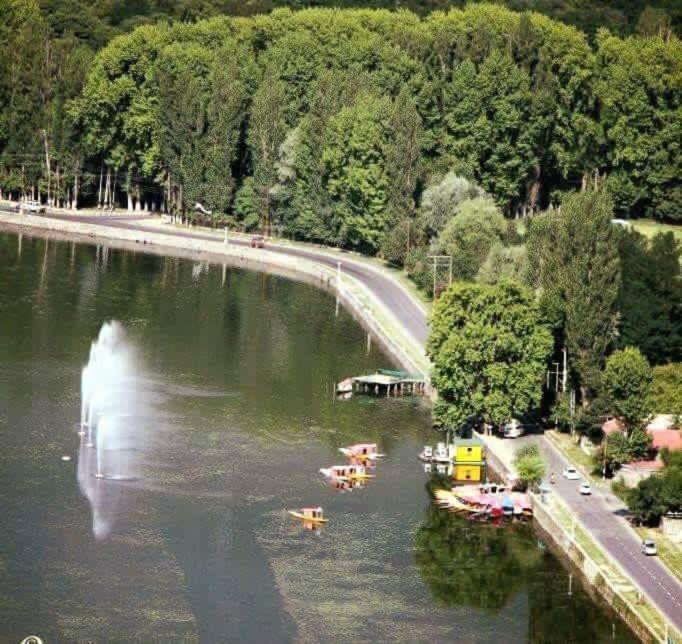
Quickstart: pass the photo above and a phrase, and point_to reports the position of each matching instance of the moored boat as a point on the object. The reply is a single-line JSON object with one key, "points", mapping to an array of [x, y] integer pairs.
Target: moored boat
{"points": [[449, 501], [361, 452], [426, 454], [313, 515], [346, 472], [507, 506], [441, 454], [345, 386]]}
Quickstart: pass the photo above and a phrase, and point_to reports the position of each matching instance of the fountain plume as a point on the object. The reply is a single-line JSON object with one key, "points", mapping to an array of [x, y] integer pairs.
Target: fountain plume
{"points": [[113, 407]]}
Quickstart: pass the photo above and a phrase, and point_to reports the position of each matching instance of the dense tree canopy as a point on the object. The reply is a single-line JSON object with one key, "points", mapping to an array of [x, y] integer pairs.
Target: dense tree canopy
{"points": [[626, 385], [489, 346], [332, 125], [666, 390], [655, 496], [650, 295]]}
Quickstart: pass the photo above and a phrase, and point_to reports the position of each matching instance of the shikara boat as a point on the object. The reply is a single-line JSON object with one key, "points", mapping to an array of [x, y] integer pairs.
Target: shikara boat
{"points": [[361, 452], [313, 515], [350, 472]]}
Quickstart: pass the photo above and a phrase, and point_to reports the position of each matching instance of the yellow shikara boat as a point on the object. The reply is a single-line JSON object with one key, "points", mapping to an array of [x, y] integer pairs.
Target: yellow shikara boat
{"points": [[314, 515], [360, 475]]}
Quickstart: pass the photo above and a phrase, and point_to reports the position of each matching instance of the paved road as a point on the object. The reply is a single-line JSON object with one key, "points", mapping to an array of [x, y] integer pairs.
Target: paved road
{"points": [[602, 514], [599, 513]]}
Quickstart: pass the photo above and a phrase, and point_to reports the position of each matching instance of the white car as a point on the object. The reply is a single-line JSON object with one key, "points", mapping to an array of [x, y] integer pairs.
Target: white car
{"points": [[513, 429], [571, 473], [649, 547], [33, 206], [585, 488]]}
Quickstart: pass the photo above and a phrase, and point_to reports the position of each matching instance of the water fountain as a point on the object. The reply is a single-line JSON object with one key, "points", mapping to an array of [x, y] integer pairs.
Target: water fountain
{"points": [[113, 408]]}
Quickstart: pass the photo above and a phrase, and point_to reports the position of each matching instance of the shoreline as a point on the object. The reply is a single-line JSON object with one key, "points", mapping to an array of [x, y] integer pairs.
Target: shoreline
{"points": [[379, 323], [367, 310]]}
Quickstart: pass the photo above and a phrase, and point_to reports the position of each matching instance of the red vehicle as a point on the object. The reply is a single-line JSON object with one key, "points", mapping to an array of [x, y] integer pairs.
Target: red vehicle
{"points": [[258, 241]]}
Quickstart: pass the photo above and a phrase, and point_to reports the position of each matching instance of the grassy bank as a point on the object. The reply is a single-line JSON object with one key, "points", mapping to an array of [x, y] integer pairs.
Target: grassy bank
{"points": [[650, 227]]}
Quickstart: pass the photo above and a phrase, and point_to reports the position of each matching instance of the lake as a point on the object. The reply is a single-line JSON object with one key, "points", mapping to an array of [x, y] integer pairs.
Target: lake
{"points": [[223, 413]]}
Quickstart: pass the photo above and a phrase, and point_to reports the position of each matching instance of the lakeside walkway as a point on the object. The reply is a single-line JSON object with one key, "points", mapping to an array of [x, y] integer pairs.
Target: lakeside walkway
{"points": [[605, 521]]}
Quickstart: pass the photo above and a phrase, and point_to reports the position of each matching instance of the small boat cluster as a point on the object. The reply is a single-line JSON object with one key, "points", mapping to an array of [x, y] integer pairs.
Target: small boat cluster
{"points": [[485, 501], [441, 454], [362, 459]]}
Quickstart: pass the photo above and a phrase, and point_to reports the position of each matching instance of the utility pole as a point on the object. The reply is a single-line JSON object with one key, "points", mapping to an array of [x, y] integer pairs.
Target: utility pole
{"points": [[565, 378], [47, 164], [556, 374], [437, 259], [409, 225], [435, 264]]}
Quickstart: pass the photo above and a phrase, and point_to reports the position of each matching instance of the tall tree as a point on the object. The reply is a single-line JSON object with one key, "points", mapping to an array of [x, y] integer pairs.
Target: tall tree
{"points": [[266, 134], [469, 236], [573, 257], [355, 171], [626, 385], [488, 125], [590, 280], [225, 112], [489, 346], [638, 87], [403, 155]]}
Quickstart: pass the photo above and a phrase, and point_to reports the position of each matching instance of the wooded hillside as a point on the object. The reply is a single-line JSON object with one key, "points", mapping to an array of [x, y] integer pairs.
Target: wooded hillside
{"points": [[331, 123]]}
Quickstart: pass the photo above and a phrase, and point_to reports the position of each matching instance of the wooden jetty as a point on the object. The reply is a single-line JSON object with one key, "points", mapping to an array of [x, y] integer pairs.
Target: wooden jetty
{"points": [[388, 383]]}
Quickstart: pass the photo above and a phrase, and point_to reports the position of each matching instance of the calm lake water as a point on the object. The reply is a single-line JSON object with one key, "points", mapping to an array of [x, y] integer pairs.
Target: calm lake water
{"points": [[232, 416]]}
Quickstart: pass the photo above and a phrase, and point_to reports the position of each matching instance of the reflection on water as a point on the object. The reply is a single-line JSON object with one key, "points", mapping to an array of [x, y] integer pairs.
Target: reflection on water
{"points": [[486, 566], [231, 415]]}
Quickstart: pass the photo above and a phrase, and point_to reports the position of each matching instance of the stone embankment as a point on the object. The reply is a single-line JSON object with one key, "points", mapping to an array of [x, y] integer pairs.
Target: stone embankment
{"points": [[377, 319], [559, 527]]}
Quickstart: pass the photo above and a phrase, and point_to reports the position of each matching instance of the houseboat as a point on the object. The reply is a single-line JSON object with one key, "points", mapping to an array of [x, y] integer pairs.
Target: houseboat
{"points": [[361, 452], [346, 472], [465, 455]]}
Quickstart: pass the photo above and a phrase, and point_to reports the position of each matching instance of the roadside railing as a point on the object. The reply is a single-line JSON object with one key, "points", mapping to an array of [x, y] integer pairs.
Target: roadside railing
{"points": [[638, 602]]}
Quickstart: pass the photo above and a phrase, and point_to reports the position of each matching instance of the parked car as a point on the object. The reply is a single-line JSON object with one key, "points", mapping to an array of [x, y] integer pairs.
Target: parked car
{"points": [[585, 488], [513, 429], [258, 241], [33, 206], [649, 547], [571, 473]]}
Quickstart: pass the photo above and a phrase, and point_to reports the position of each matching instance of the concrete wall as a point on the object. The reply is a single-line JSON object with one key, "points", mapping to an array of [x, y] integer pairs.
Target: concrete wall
{"points": [[364, 307], [589, 572]]}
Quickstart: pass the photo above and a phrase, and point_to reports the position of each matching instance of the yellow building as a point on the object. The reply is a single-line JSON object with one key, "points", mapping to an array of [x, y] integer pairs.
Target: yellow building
{"points": [[468, 460]]}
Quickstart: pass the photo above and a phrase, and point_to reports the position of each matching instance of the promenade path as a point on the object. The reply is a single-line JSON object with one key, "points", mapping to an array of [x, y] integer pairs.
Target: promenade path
{"points": [[599, 513]]}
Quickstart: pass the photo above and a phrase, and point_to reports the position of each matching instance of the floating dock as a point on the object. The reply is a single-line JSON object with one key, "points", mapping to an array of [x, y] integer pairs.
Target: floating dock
{"points": [[388, 383]]}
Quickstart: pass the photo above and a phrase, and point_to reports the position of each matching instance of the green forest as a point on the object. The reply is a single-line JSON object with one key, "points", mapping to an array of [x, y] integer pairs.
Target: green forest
{"points": [[335, 125]]}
